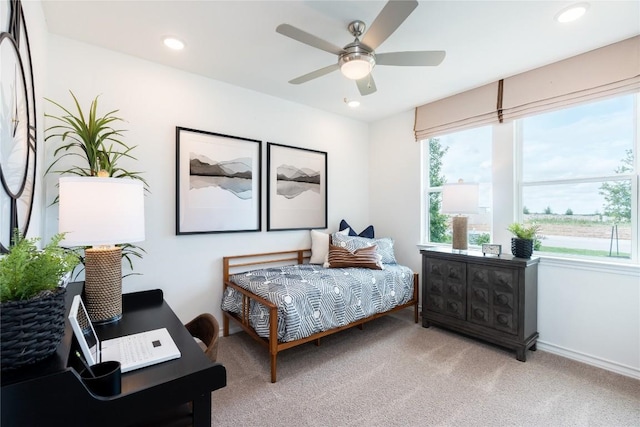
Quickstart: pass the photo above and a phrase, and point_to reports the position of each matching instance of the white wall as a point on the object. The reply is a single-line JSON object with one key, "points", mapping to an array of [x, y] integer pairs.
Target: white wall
{"points": [[154, 100], [586, 311], [395, 186]]}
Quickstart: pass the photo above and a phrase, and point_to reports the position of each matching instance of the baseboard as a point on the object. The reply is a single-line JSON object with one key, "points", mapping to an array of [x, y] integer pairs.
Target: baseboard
{"points": [[618, 368]]}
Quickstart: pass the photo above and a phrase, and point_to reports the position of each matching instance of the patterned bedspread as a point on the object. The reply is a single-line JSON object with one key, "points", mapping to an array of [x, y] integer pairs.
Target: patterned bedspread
{"points": [[312, 299]]}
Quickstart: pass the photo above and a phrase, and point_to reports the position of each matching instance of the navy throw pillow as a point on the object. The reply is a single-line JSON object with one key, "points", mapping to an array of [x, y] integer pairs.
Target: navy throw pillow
{"points": [[368, 232]]}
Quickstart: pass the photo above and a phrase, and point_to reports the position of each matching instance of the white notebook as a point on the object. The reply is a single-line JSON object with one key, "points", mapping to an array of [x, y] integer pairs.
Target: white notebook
{"points": [[132, 351]]}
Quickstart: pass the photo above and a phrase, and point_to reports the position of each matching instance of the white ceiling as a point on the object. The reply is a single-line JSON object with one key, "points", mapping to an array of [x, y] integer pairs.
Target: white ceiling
{"points": [[236, 42]]}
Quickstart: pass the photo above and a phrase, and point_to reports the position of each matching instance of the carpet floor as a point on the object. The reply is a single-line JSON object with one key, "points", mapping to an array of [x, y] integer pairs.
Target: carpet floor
{"points": [[397, 373]]}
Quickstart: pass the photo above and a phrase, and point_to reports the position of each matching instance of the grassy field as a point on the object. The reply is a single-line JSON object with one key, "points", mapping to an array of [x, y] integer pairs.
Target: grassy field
{"points": [[584, 252]]}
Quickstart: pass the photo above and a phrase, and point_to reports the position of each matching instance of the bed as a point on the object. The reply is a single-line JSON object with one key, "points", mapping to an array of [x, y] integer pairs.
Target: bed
{"points": [[282, 300]]}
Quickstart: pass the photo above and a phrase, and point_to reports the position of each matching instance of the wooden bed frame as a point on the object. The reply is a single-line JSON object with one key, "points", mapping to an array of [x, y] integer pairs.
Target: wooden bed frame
{"points": [[241, 263]]}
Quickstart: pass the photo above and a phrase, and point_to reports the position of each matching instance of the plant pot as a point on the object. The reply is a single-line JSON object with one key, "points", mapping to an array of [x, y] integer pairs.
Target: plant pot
{"points": [[31, 330], [521, 248]]}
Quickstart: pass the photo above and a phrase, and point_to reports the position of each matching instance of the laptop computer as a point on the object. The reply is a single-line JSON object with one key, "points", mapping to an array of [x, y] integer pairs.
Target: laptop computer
{"points": [[132, 351]]}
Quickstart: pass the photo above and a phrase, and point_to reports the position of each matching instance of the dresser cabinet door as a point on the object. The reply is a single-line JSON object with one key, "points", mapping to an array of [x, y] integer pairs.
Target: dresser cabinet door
{"points": [[493, 297], [446, 287]]}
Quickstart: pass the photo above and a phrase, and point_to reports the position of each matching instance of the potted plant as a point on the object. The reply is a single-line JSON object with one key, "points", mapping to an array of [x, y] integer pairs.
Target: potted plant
{"points": [[92, 139], [525, 236], [32, 300]]}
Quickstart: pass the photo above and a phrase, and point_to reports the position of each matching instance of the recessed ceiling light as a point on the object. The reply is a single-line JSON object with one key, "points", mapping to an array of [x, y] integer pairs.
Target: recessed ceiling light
{"points": [[572, 12], [352, 103], [173, 43]]}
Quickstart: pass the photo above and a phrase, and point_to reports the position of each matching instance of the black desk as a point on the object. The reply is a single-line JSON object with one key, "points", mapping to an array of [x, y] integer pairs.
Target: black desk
{"points": [[51, 393]]}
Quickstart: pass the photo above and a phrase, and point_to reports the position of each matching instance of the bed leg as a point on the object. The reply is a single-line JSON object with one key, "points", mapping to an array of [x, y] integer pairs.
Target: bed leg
{"points": [[273, 340], [225, 325], [361, 326], [317, 342], [273, 368]]}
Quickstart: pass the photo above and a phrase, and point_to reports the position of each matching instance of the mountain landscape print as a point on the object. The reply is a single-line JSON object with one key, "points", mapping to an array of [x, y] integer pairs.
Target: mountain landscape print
{"points": [[292, 181], [297, 188], [234, 176]]}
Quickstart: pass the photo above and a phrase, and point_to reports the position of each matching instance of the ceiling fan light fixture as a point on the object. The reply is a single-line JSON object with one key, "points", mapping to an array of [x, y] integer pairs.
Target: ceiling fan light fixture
{"points": [[355, 66]]}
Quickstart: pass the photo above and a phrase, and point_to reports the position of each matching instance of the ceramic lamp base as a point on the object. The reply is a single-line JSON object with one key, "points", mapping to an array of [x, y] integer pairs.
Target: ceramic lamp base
{"points": [[459, 227], [103, 284]]}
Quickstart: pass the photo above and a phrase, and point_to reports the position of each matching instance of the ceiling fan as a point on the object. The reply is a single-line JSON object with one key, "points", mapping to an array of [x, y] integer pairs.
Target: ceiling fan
{"points": [[357, 59]]}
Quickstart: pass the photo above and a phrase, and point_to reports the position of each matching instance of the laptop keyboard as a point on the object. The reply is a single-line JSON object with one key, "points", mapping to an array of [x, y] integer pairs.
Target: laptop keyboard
{"points": [[133, 350]]}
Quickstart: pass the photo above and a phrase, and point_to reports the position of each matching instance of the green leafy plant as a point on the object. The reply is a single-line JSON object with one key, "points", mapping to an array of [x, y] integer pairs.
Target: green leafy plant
{"points": [[26, 271], [522, 231], [91, 138], [94, 140]]}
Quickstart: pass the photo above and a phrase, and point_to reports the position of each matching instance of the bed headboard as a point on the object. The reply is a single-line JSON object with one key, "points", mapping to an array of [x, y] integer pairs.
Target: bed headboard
{"points": [[239, 263]]}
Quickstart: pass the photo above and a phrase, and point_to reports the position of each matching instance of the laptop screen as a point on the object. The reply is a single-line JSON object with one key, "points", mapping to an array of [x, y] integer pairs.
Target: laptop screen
{"points": [[83, 329]]}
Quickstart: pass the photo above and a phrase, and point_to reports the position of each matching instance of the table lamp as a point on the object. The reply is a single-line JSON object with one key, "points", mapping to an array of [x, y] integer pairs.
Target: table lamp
{"points": [[460, 198], [101, 212]]}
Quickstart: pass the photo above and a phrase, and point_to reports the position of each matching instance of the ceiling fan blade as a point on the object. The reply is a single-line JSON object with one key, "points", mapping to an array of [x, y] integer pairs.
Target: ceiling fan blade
{"points": [[366, 85], [421, 58], [314, 74], [390, 18], [308, 39]]}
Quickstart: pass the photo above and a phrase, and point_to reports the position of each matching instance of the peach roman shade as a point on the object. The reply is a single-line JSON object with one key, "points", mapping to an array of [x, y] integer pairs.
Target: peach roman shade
{"points": [[608, 71], [473, 108], [600, 73]]}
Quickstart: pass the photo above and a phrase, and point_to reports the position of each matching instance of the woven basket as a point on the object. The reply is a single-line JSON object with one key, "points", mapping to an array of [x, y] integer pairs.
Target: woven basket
{"points": [[521, 248], [31, 330]]}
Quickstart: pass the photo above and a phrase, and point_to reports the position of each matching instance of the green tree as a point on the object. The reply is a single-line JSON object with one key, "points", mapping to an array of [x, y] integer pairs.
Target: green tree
{"points": [[525, 210], [617, 194], [437, 221], [569, 212], [547, 210]]}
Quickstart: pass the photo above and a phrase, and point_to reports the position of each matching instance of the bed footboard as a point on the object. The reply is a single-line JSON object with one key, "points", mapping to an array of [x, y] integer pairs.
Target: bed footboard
{"points": [[241, 263]]}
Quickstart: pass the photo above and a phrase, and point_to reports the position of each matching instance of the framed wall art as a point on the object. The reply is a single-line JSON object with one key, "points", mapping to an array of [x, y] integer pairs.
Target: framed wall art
{"points": [[296, 188], [217, 182]]}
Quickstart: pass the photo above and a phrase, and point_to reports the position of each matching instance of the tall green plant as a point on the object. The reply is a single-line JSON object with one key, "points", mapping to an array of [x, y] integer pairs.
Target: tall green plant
{"points": [[437, 220], [617, 194], [97, 143], [93, 139]]}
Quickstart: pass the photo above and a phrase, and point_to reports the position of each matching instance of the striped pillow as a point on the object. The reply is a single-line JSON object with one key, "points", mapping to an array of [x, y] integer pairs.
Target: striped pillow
{"points": [[361, 258]]}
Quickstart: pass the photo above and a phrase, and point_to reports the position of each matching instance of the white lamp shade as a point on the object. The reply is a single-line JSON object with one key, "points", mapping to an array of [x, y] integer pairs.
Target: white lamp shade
{"points": [[355, 69], [460, 198], [101, 211]]}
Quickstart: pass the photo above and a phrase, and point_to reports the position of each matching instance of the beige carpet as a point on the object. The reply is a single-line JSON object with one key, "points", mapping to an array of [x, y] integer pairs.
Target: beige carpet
{"points": [[397, 373]]}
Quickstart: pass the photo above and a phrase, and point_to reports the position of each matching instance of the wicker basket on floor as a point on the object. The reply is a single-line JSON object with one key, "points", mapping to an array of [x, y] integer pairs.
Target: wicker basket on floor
{"points": [[30, 330]]}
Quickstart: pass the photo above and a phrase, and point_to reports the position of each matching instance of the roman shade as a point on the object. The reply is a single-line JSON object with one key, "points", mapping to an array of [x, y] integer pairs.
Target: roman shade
{"points": [[473, 108], [608, 71]]}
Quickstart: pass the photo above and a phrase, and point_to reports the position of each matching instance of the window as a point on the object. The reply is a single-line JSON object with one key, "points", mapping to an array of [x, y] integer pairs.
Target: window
{"points": [[462, 155], [578, 175], [574, 171]]}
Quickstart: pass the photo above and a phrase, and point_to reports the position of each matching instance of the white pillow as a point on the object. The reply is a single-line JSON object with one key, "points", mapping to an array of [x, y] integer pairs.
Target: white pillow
{"points": [[320, 246]]}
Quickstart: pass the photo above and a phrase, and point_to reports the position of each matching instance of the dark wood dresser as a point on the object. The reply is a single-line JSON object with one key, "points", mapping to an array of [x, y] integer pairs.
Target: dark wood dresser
{"points": [[493, 298]]}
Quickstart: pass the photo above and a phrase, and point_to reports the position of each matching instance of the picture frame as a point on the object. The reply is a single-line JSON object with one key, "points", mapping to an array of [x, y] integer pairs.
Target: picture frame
{"points": [[296, 188], [218, 187]]}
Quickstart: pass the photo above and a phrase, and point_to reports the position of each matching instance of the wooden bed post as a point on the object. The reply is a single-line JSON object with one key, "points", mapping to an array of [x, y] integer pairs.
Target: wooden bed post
{"points": [[273, 340], [225, 318]]}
